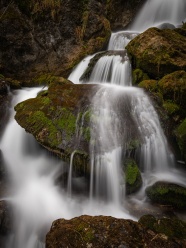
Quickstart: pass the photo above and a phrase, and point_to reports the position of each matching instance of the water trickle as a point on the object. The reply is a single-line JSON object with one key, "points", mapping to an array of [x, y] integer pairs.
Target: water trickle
{"points": [[69, 185], [79, 70]]}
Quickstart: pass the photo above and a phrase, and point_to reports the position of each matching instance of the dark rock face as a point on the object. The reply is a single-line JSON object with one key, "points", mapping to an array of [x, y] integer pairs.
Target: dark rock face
{"points": [[5, 222], [102, 231], [3, 103], [38, 38]]}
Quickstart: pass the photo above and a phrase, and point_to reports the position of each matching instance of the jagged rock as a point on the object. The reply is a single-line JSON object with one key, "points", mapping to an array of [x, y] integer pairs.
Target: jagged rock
{"points": [[103, 231], [158, 52], [167, 194]]}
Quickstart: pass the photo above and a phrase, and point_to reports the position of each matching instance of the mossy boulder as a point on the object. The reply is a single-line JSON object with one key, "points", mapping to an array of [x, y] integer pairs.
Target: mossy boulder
{"points": [[169, 194], [171, 227], [173, 88], [158, 52], [149, 84], [106, 231], [133, 177], [138, 75], [181, 138], [54, 118]]}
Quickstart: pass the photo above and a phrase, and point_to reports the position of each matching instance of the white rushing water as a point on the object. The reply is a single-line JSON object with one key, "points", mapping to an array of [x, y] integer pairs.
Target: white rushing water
{"points": [[120, 113], [35, 198], [157, 12]]}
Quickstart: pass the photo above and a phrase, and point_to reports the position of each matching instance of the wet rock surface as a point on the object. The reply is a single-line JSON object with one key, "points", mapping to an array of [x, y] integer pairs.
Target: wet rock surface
{"points": [[158, 52], [105, 231]]}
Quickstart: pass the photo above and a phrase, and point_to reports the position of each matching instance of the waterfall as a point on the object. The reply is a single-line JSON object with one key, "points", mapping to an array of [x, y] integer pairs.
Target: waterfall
{"points": [[112, 69], [157, 12], [120, 113]]}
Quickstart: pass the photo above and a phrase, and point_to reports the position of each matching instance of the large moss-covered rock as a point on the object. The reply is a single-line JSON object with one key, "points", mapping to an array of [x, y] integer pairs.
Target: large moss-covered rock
{"points": [[158, 52], [173, 89], [59, 118], [138, 76], [167, 194], [106, 231]]}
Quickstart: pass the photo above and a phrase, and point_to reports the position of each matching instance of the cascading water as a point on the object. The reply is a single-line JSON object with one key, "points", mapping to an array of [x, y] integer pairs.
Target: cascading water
{"points": [[157, 12], [119, 114]]}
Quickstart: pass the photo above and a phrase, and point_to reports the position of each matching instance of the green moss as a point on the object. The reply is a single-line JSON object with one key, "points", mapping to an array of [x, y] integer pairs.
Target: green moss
{"points": [[87, 233], [170, 227], [150, 85], [171, 107], [14, 84], [138, 76], [168, 194], [173, 87], [67, 122], [44, 129], [181, 138], [133, 144], [132, 176], [87, 134], [44, 79], [184, 25]]}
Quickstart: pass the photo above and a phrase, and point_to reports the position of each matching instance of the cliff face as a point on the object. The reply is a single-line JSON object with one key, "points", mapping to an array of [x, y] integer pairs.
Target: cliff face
{"points": [[40, 37]]}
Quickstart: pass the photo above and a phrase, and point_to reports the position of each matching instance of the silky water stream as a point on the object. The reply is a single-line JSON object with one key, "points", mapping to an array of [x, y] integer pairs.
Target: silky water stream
{"points": [[122, 113]]}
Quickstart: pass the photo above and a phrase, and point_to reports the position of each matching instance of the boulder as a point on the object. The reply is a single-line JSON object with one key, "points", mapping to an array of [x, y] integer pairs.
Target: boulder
{"points": [[168, 194], [106, 231], [158, 52], [59, 119]]}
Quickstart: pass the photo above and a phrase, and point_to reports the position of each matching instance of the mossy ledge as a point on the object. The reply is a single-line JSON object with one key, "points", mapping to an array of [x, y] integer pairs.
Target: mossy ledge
{"points": [[54, 118]]}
